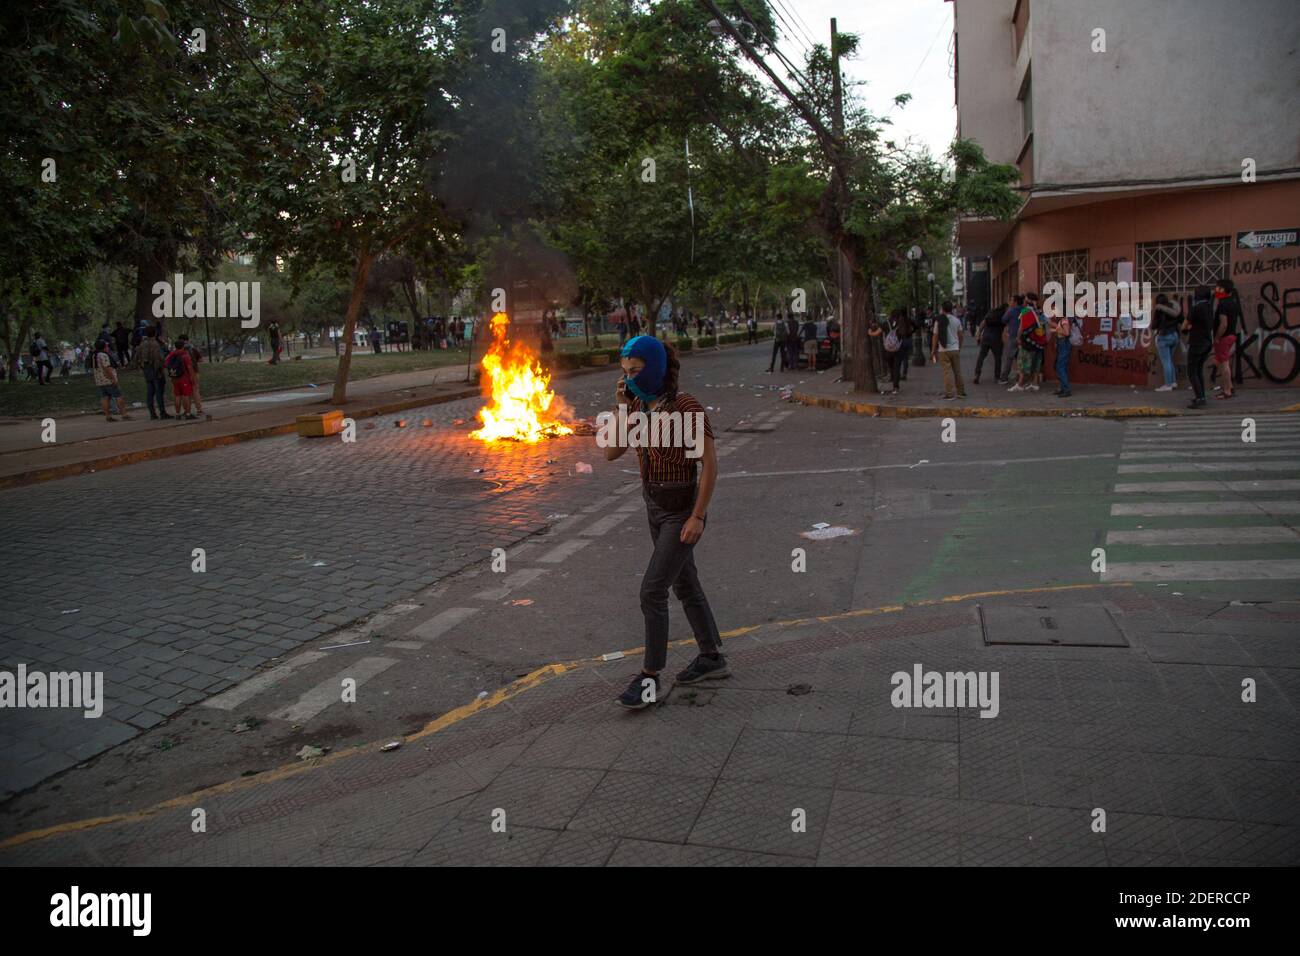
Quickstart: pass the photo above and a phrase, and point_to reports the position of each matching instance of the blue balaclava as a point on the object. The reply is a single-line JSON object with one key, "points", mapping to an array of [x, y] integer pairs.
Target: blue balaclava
{"points": [[648, 383]]}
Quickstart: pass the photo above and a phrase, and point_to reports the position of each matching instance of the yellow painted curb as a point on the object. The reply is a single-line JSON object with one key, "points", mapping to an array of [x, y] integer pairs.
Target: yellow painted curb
{"points": [[529, 681]]}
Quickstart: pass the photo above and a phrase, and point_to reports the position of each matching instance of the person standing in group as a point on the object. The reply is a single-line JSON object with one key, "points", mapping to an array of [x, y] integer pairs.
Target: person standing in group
{"points": [[906, 329], [890, 331], [376, 340], [149, 357], [677, 507], [1227, 322], [945, 348], [106, 379], [1063, 331], [793, 341], [778, 343], [989, 336], [1011, 334], [1199, 327], [180, 370], [1168, 317], [808, 333], [751, 325]]}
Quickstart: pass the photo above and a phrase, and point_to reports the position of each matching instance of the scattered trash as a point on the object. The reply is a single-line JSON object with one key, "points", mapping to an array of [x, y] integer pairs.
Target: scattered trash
{"points": [[245, 725], [164, 744], [557, 516], [333, 647], [582, 468], [318, 564], [400, 423], [821, 534], [821, 524], [923, 461], [386, 748], [1178, 593], [308, 752], [137, 404], [312, 385], [521, 602], [75, 610], [550, 461], [798, 690], [478, 471], [616, 656], [482, 695]]}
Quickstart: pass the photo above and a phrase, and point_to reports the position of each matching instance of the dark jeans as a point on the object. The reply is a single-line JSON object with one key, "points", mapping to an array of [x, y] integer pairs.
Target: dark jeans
{"points": [[778, 348], [155, 386], [892, 360], [792, 347], [1197, 353], [904, 356], [1063, 349], [44, 371], [672, 564], [985, 349]]}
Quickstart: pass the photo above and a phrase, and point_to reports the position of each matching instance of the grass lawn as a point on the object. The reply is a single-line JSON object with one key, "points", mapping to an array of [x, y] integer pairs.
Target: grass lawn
{"points": [[77, 393]]}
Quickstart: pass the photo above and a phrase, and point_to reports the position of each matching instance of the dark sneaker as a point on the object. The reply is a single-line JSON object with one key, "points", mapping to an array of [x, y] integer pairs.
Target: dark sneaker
{"points": [[635, 697], [704, 668]]}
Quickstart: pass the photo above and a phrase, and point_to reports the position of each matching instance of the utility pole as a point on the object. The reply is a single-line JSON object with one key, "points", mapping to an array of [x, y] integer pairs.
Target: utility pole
{"points": [[832, 143]]}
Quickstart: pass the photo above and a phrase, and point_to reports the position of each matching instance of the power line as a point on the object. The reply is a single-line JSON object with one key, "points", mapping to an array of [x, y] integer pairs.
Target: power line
{"points": [[802, 24], [793, 31], [803, 82]]}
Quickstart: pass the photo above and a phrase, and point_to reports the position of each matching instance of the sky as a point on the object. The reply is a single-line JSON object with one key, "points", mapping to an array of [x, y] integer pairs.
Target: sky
{"points": [[903, 46]]}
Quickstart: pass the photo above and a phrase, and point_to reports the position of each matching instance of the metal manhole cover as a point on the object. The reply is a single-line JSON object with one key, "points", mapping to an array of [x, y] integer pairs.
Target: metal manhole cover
{"points": [[1082, 625], [468, 486]]}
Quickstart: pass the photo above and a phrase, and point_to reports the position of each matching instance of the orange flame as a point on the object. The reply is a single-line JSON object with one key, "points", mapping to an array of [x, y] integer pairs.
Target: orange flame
{"points": [[518, 390]]}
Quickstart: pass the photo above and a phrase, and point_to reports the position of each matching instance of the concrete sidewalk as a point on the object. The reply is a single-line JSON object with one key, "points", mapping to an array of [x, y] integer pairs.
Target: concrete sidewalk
{"points": [[921, 395], [801, 758]]}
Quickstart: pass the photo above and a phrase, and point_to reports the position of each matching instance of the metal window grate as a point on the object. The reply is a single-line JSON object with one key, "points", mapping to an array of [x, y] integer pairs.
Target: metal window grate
{"points": [[1055, 266], [1178, 266]]}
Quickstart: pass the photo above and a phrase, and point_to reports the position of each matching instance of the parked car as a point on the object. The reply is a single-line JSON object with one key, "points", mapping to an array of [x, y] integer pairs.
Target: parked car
{"points": [[828, 344]]}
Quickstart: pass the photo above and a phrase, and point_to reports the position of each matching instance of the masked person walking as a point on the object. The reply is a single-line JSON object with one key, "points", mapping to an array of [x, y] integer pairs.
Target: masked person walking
{"points": [[1227, 321], [677, 509], [1199, 327]]}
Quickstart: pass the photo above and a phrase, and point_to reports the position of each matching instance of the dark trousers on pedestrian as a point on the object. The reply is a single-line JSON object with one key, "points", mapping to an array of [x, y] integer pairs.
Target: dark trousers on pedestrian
{"points": [[985, 349], [155, 388], [904, 357], [792, 353], [1197, 353], [892, 362], [44, 372], [778, 348], [672, 564], [1063, 349]]}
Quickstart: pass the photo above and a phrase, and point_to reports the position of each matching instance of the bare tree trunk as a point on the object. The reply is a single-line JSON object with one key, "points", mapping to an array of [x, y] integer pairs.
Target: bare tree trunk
{"points": [[340, 395]]}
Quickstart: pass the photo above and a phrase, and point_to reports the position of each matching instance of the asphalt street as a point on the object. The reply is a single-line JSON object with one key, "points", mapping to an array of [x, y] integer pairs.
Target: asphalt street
{"points": [[372, 562]]}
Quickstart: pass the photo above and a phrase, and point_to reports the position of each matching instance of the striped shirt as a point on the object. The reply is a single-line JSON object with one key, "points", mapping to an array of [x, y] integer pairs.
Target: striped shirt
{"points": [[671, 464]]}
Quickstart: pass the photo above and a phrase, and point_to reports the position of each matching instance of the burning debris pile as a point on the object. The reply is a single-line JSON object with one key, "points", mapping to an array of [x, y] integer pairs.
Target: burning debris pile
{"points": [[520, 404]]}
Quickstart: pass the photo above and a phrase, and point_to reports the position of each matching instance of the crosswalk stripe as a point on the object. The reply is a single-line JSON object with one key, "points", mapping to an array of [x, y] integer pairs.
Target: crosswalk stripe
{"points": [[563, 550], [260, 682], [1249, 453], [1163, 509], [331, 691], [1202, 571], [1204, 441], [1222, 423], [442, 622], [1172, 487], [513, 580], [607, 523], [1265, 534], [1210, 466]]}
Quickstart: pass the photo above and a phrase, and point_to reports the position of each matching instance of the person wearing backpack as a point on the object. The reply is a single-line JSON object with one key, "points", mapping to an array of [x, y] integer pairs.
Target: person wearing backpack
{"points": [[180, 371], [1067, 335], [892, 344], [945, 348], [1227, 322], [778, 344], [1031, 340]]}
